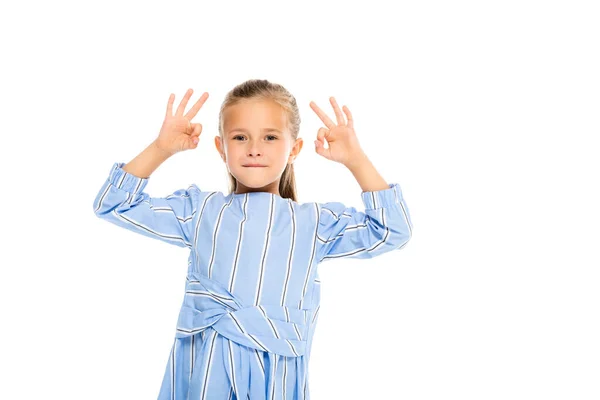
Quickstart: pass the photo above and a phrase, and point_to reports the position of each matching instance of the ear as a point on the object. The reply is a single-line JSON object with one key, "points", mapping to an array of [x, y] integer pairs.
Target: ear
{"points": [[296, 150], [219, 146]]}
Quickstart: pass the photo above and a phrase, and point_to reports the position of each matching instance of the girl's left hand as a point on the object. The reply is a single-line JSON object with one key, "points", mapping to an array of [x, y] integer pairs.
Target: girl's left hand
{"points": [[341, 138]]}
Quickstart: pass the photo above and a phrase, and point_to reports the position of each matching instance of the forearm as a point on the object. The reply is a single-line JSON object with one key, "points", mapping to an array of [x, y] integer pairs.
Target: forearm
{"points": [[365, 173], [145, 163]]}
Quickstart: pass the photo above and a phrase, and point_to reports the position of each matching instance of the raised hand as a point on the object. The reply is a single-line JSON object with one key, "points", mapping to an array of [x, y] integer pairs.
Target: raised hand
{"points": [[177, 132], [341, 137]]}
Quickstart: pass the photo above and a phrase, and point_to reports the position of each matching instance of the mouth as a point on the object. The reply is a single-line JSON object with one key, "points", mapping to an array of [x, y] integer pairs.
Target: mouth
{"points": [[254, 165]]}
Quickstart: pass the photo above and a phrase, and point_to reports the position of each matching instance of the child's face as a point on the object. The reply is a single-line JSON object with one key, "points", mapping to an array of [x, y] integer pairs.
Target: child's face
{"points": [[254, 143]]}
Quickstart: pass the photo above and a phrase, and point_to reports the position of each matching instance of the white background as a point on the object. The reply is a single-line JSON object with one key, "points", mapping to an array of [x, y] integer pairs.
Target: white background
{"points": [[486, 114]]}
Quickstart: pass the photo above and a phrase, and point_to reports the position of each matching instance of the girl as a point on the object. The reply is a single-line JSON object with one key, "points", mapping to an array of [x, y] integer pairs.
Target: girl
{"points": [[252, 289]]}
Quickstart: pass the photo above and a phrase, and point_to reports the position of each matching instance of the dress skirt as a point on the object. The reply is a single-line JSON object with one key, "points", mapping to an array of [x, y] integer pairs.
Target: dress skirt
{"points": [[208, 366]]}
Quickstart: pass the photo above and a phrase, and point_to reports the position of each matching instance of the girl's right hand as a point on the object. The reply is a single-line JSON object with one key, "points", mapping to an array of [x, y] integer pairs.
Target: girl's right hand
{"points": [[177, 132]]}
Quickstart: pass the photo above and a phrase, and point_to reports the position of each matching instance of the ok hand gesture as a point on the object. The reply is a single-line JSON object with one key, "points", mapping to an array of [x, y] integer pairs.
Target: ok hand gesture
{"points": [[341, 138], [177, 132]]}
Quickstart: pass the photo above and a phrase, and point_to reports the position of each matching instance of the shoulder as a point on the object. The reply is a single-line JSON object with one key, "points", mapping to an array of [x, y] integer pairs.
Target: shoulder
{"points": [[321, 211], [202, 197]]}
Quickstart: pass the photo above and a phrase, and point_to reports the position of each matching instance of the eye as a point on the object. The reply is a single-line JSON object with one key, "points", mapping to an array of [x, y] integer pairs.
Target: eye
{"points": [[237, 136]]}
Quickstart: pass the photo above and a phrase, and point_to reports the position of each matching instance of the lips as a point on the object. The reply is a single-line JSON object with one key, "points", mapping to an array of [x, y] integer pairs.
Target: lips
{"points": [[254, 165]]}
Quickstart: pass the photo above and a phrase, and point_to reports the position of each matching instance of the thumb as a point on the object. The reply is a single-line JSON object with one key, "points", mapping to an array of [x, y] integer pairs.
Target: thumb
{"points": [[196, 132], [191, 142], [322, 151]]}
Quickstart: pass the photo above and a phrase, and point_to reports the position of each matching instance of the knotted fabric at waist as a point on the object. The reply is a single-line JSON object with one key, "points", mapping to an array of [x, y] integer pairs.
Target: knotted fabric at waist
{"points": [[273, 328]]}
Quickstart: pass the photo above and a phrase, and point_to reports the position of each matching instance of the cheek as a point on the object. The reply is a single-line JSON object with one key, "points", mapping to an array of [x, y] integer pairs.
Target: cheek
{"points": [[232, 149]]}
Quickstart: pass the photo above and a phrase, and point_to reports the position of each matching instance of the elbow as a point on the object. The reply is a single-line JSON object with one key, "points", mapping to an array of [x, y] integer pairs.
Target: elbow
{"points": [[404, 241], [400, 236], [101, 209], [97, 212]]}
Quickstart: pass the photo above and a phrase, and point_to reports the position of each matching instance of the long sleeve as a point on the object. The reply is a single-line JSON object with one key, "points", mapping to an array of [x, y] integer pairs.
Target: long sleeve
{"points": [[122, 201], [385, 225]]}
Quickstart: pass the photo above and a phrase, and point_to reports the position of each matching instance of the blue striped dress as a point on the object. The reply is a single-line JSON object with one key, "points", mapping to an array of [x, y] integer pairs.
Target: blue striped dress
{"points": [[252, 289]]}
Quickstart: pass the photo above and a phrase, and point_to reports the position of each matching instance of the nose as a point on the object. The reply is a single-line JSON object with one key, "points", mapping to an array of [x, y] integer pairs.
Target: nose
{"points": [[253, 149]]}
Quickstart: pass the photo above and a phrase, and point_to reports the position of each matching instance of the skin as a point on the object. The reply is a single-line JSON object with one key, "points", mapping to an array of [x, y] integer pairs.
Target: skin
{"points": [[257, 145], [179, 134]]}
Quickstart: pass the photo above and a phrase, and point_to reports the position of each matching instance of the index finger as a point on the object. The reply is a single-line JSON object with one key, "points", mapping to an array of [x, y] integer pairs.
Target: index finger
{"points": [[194, 110], [328, 123]]}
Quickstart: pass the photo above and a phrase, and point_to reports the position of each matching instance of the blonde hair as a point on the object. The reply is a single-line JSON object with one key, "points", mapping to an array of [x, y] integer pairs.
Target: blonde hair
{"points": [[262, 89]]}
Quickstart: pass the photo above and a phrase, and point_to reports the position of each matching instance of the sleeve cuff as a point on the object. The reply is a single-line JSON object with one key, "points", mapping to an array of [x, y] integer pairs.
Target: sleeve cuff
{"points": [[382, 198], [124, 180]]}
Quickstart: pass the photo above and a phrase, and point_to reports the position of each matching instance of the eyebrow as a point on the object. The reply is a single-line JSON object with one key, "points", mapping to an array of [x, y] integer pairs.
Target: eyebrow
{"points": [[246, 131]]}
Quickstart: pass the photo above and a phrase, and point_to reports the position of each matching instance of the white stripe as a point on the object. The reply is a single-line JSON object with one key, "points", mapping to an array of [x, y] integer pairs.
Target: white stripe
{"points": [[197, 227], [237, 248], [290, 253], [356, 251], [173, 370], [284, 375], [264, 254], [208, 365], [232, 367], [215, 237]]}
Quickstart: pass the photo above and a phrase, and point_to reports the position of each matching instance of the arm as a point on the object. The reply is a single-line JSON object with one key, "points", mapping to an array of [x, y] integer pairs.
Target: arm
{"points": [[385, 224], [344, 231], [122, 201], [145, 163], [365, 173]]}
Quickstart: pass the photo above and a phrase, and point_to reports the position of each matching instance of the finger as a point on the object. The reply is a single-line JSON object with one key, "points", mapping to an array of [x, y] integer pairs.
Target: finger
{"points": [[338, 112], [183, 103], [349, 116], [197, 130], [170, 105], [189, 144], [322, 134], [328, 123], [192, 130], [193, 140], [321, 150], [194, 110]]}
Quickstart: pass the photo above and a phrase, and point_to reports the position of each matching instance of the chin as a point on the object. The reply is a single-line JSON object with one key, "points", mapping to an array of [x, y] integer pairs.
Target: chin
{"points": [[256, 183]]}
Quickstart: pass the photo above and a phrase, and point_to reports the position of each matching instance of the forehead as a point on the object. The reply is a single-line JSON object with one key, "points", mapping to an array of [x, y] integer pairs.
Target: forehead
{"points": [[254, 115]]}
